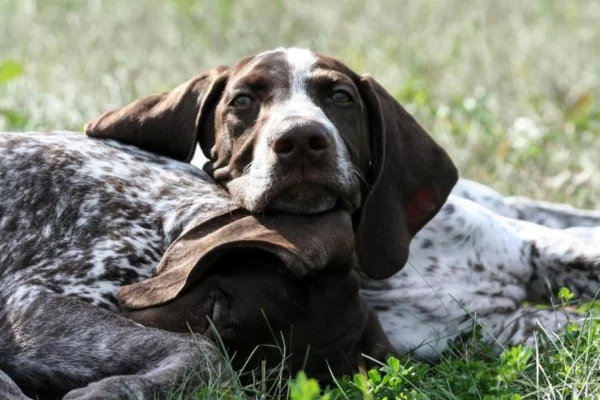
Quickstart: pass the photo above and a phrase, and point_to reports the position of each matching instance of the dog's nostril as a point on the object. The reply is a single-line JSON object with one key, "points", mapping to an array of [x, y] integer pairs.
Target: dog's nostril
{"points": [[303, 142], [318, 142], [283, 145]]}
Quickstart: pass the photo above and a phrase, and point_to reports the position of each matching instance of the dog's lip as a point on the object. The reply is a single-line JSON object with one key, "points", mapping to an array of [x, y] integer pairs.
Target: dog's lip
{"points": [[346, 205], [347, 199], [305, 185]]}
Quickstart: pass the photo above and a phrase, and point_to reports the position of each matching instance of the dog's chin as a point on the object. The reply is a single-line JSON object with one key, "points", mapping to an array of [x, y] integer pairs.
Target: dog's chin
{"points": [[304, 199]]}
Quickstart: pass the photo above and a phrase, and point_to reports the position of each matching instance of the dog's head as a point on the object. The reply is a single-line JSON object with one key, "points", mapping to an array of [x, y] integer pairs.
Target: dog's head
{"points": [[284, 281], [295, 131]]}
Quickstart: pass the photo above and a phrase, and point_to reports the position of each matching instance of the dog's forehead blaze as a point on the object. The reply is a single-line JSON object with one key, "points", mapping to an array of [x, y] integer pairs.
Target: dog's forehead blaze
{"points": [[288, 69]]}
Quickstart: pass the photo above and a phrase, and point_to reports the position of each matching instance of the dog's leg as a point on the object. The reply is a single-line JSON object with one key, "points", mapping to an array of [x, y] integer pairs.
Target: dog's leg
{"points": [[526, 325], [551, 258], [58, 340], [540, 212], [9, 390], [543, 259], [551, 214], [561, 258], [428, 324], [469, 261]]}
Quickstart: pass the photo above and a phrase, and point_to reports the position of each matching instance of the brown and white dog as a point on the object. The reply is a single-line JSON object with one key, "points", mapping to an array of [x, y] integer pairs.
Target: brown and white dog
{"points": [[84, 224], [286, 132], [296, 131]]}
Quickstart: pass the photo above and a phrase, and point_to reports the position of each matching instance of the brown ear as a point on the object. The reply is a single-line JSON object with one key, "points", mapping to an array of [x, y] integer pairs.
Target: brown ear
{"points": [[302, 243], [167, 123], [411, 177]]}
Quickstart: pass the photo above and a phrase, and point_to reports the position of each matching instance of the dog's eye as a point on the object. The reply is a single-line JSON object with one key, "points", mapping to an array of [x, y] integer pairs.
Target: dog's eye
{"points": [[341, 97], [242, 101]]}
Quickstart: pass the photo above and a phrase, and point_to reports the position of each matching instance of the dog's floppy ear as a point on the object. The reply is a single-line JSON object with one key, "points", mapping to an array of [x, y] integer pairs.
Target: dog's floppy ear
{"points": [[304, 244], [167, 123], [410, 176]]}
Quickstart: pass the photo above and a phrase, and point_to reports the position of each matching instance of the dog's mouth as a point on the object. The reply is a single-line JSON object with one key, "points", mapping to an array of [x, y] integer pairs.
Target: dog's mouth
{"points": [[298, 195], [304, 190], [305, 199]]}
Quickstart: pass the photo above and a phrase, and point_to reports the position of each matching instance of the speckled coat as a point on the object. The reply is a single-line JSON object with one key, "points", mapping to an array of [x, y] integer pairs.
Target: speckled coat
{"points": [[80, 218]]}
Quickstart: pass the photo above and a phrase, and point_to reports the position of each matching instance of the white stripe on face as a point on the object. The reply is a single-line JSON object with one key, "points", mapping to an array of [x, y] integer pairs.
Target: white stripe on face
{"points": [[301, 63], [295, 108]]}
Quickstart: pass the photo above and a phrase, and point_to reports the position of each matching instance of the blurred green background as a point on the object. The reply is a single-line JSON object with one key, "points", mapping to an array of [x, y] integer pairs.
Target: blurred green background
{"points": [[510, 88]]}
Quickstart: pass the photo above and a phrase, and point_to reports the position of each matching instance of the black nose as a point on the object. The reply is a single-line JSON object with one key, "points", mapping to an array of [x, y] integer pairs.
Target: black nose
{"points": [[307, 142]]}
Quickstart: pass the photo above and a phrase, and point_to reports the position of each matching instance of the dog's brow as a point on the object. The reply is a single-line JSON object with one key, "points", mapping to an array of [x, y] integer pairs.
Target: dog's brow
{"points": [[255, 81]]}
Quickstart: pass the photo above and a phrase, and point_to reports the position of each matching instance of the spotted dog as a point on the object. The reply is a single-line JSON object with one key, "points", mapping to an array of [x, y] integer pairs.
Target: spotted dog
{"points": [[78, 220], [476, 262], [287, 131], [102, 243]]}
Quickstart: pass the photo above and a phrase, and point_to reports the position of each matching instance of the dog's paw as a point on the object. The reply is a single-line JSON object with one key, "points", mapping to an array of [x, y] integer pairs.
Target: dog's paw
{"points": [[126, 387]]}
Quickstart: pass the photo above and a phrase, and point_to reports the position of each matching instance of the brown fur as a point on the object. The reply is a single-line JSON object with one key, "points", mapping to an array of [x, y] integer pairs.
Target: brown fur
{"points": [[259, 277]]}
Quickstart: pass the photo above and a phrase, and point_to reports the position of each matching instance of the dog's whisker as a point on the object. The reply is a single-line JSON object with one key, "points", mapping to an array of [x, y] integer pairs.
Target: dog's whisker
{"points": [[357, 172], [247, 168]]}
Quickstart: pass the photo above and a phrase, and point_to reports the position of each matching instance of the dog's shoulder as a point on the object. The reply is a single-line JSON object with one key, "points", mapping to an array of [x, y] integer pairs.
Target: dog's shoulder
{"points": [[77, 212]]}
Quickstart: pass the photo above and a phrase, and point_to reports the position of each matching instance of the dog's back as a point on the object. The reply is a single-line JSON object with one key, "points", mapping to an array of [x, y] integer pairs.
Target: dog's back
{"points": [[79, 218], [74, 209]]}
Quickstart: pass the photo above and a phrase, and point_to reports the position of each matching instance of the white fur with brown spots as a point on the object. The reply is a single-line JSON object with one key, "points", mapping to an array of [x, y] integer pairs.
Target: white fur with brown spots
{"points": [[478, 263]]}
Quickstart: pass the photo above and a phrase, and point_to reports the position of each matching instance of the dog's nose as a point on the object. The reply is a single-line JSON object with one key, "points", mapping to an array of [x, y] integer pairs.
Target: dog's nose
{"points": [[306, 142]]}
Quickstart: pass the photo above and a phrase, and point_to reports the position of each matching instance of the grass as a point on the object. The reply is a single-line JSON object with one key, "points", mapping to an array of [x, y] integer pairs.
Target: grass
{"points": [[510, 89], [565, 367], [557, 367]]}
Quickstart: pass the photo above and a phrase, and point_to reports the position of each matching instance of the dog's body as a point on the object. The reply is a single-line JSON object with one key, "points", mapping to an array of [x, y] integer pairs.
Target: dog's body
{"points": [[124, 207], [107, 215], [476, 264], [80, 218]]}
